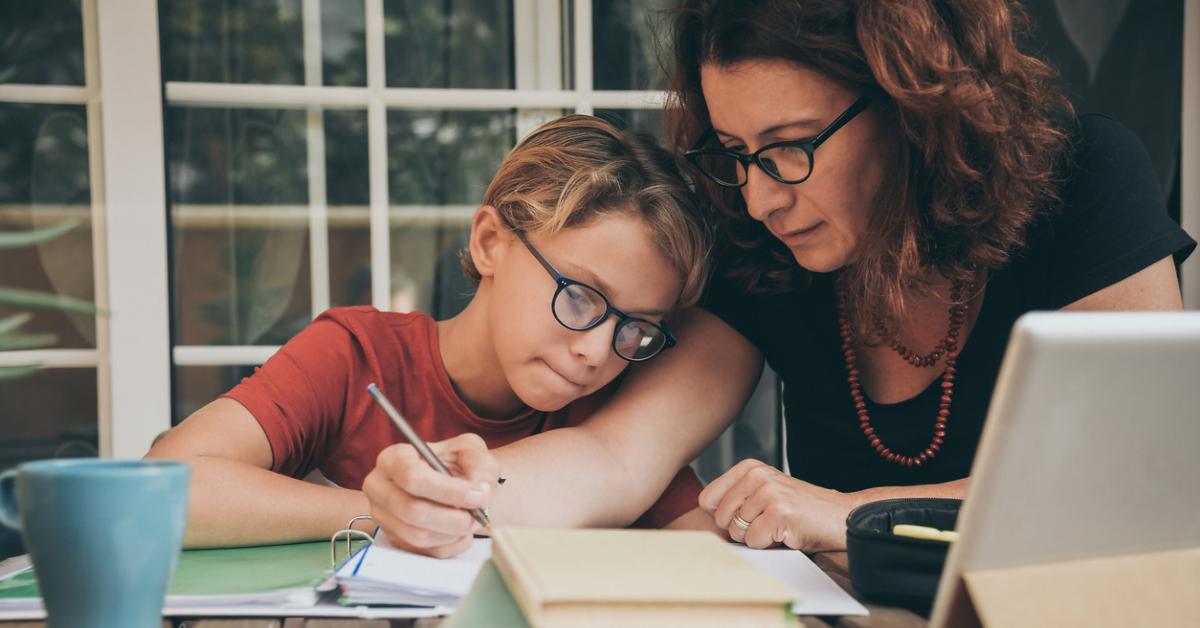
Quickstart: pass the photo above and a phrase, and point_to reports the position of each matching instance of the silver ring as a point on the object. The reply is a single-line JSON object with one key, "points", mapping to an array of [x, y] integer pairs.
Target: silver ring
{"points": [[742, 524]]}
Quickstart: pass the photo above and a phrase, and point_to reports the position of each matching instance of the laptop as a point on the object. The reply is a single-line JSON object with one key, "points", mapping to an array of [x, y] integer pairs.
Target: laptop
{"points": [[1091, 450]]}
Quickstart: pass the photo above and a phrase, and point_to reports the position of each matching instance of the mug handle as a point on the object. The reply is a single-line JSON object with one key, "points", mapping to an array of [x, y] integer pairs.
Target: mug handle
{"points": [[8, 499]]}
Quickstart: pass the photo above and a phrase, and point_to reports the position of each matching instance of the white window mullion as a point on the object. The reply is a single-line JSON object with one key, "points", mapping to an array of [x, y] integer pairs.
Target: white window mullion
{"points": [[381, 265], [100, 276], [134, 210], [582, 41], [318, 227], [537, 35]]}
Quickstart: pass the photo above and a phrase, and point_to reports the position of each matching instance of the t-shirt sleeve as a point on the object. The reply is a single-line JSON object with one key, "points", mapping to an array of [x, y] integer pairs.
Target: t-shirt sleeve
{"points": [[681, 496], [298, 396], [1113, 221]]}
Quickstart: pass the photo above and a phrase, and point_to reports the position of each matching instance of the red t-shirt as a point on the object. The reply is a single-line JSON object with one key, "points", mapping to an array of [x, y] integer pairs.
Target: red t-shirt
{"points": [[311, 400]]}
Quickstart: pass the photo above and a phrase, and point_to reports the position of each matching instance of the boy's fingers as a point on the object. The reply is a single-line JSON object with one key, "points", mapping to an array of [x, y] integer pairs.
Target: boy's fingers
{"points": [[415, 477], [479, 466]]}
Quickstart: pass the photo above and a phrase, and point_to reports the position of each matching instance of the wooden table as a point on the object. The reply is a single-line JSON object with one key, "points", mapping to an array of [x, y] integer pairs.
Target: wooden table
{"points": [[832, 563]]}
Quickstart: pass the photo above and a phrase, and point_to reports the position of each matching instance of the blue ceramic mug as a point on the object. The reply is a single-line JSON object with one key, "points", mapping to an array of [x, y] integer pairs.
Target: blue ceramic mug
{"points": [[104, 535]]}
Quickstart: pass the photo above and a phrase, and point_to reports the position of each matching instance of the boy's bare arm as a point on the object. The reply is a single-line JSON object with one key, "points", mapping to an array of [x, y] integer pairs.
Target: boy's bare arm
{"points": [[614, 466], [234, 497]]}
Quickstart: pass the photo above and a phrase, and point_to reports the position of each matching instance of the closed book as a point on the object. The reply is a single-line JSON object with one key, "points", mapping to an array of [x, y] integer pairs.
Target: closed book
{"points": [[586, 578]]}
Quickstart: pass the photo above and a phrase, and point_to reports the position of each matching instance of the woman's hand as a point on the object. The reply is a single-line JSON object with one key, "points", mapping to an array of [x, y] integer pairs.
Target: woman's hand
{"points": [[424, 511], [779, 508]]}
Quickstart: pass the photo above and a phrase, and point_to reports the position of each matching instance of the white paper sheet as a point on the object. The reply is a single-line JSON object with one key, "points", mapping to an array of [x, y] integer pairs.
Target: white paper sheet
{"points": [[816, 593]]}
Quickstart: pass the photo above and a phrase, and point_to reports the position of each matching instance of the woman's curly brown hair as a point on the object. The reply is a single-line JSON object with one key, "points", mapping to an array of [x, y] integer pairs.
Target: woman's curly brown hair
{"points": [[983, 127]]}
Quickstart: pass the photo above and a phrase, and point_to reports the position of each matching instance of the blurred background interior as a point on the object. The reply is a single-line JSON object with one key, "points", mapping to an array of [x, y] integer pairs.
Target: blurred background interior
{"points": [[322, 153]]}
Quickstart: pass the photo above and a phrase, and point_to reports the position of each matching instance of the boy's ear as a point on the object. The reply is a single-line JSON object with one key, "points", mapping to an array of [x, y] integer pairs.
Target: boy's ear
{"points": [[489, 240]]}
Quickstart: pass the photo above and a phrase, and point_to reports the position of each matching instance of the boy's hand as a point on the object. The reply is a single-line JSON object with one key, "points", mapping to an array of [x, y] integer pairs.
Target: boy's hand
{"points": [[424, 511]]}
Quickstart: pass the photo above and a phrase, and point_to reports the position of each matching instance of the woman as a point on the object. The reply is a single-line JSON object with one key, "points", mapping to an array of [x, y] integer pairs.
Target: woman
{"points": [[899, 183]]}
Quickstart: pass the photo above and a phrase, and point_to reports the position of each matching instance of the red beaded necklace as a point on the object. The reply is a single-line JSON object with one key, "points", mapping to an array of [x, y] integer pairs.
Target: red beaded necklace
{"points": [[947, 347]]}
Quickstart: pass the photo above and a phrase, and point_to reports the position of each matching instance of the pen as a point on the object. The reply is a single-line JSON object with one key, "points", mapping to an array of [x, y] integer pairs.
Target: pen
{"points": [[422, 448]]}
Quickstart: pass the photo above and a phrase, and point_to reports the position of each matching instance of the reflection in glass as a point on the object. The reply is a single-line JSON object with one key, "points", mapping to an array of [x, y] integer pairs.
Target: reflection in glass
{"points": [[348, 193], [44, 182], [197, 386], [232, 41], [631, 47], [426, 272], [646, 120], [445, 157], [50, 414], [41, 42], [454, 43], [239, 196], [343, 43]]}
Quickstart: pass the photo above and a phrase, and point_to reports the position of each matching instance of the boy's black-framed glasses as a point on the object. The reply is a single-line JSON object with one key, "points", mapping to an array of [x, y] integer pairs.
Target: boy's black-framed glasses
{"points": [[580, 307], [790, 161]]}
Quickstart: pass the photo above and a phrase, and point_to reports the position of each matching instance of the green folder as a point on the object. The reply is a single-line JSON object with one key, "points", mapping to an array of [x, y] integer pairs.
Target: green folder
{"points": [[222, 572]]}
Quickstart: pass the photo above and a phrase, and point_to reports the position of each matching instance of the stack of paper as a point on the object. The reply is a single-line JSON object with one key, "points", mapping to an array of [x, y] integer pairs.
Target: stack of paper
{"points": [[382, 575]]}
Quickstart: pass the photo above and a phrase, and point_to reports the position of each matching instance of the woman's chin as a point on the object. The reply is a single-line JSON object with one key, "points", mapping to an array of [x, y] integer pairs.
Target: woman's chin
{"points": [[818, 261]]}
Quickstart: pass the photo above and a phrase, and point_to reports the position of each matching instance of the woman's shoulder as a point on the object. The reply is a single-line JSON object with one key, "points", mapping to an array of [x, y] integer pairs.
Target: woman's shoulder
{"points": [[1110, 219]]}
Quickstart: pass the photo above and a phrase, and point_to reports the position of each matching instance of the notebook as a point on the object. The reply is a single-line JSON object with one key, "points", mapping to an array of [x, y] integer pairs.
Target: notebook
{"points": [[380, 574], [578, 578]]}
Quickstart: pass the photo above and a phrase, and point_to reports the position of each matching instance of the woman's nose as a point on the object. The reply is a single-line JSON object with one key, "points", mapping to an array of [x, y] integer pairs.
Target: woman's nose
{"points": [[764, 195]]}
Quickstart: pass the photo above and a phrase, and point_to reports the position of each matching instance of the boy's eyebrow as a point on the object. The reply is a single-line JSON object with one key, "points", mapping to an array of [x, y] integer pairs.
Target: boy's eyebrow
{"points": [[592, 279]]}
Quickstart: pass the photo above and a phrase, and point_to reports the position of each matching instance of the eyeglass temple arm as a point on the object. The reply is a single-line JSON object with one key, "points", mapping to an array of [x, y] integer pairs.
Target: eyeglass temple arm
{"points": [[847, 115], [538, 256]]}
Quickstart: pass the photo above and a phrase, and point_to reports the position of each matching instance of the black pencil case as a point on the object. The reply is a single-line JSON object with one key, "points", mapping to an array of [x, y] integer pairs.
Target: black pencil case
{"points": [[898, 570]]}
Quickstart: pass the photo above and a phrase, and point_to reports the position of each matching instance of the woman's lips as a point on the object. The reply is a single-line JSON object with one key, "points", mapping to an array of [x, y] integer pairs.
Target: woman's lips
{"points": [[800, 236]]}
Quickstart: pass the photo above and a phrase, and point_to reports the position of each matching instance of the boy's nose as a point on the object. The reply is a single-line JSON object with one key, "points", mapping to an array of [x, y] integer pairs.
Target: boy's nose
{"points": [[594, 345]]}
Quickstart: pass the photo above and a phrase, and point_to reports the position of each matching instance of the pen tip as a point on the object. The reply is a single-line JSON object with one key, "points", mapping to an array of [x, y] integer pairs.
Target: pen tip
{"points": [[373, 389]]}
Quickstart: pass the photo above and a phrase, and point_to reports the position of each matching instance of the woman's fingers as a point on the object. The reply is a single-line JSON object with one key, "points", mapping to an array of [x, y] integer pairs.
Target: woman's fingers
{"points": [[752, 478], [713, 494]]}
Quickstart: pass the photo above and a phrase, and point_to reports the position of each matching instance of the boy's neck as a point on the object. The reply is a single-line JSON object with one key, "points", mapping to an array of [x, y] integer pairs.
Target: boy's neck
{"points": [[471, 363]]}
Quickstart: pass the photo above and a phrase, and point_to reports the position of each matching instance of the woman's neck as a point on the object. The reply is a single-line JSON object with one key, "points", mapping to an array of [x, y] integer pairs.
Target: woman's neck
{"points": [[469, 357]]}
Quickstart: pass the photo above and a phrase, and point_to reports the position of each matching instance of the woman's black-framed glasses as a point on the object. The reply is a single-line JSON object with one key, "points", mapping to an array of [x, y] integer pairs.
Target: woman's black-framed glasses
{"points": [[580, 307], [790, 161]]}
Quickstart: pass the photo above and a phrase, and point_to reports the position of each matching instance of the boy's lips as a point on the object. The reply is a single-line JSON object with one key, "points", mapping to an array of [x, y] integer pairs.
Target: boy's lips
{"points": [[559, 373]]}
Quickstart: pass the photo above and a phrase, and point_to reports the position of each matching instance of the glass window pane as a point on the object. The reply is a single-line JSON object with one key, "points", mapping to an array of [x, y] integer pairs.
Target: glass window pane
{"points": [[647, 120], [343, 43], [445, 157], [239, 207], [453, 43], [41, 42], [426, 273], [233, 41], [348, 192], [630, 44], [49, 414], [197, 386], [43, 183]]}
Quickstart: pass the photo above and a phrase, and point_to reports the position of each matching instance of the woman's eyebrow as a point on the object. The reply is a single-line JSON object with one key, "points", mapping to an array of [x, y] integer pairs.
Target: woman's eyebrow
{"points": [[773, 129]]}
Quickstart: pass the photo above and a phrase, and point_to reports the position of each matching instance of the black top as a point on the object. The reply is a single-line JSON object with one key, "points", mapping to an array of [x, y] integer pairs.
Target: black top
{"points": [[1112, 223]]}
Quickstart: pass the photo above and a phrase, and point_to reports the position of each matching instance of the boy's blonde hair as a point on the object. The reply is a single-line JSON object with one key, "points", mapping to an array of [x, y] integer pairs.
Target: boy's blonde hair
{"points": [[577, 169]]}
